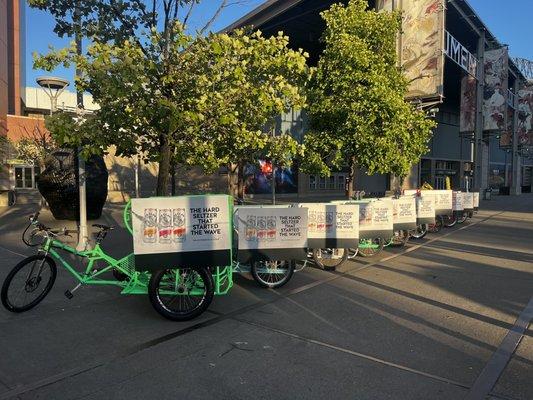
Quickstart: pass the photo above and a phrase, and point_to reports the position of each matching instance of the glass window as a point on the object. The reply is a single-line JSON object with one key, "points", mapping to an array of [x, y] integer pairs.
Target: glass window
{"points": [[312, 182], [341, 182], [322, 183], [19, 177], [331, 182]]}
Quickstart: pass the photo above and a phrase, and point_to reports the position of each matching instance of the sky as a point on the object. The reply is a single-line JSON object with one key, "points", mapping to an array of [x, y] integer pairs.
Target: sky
{"points": [[511, 21]]}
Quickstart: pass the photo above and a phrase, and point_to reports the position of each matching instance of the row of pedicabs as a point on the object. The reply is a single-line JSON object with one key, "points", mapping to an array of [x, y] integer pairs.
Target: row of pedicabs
{"points": [[192, 245]]}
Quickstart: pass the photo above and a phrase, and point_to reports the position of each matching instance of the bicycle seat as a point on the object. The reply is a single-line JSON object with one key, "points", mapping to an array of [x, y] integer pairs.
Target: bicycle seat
{"points": [[104, 227]]}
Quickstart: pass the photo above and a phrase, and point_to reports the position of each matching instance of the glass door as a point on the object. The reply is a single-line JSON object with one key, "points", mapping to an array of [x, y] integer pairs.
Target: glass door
{"points": [[25, 177]]}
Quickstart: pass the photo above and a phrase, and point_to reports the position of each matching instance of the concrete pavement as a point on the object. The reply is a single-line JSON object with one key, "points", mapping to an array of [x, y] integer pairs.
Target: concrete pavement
{"points": [[437, 320]]}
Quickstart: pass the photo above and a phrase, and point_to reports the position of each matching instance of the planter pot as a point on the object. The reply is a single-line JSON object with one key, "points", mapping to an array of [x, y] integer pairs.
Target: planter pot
{"points": [[58, 185]]}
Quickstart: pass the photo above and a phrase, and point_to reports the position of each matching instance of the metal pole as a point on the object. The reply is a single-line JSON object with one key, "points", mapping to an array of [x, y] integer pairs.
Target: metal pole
{"points": [[137, 167], [83, 237]]}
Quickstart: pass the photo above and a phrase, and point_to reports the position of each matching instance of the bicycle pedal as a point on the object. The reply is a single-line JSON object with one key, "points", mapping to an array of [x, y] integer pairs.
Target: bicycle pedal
{"points": [[68, 294]]}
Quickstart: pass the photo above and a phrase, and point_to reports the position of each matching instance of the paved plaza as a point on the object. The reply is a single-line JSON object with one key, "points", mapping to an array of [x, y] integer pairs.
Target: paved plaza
{"points": [[448, 317]]}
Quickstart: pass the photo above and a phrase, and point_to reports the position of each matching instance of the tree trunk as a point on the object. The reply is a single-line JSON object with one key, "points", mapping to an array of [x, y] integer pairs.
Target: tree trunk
{"points": [[240, 181], [164, 168], [350, 189], [233, 185], [172, 178]]}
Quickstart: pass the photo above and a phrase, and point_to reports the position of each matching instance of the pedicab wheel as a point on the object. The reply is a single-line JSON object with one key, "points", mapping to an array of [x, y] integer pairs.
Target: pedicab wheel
{"points": [[462, 219], [272, 274], [370, 247], [181, 294], [352, 253], [449, 221], [329, 259], [400, 238], [28, 283], [420, 231], [437, 226]]}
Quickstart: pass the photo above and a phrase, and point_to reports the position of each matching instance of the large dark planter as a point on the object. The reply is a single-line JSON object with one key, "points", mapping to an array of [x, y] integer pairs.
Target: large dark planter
{"points": [[58, 185]]}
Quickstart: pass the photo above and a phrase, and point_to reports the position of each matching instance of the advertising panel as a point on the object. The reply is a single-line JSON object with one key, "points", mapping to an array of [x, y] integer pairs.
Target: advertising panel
{"points": [[332, 225], [375, 219], [458, 203], [443, 202], [468, 201], [467, 117], [271, 233], [476, 201], [184, 231], [425, 208], [525, 115], [404, 213], [421, 44], [495, 92]]}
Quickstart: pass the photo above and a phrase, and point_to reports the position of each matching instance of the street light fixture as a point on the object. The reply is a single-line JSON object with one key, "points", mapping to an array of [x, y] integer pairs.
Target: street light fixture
{"points": [[53, 87]]}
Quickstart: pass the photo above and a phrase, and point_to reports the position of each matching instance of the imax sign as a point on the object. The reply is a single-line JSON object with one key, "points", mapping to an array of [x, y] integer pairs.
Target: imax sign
{"points": [[458, 53]]}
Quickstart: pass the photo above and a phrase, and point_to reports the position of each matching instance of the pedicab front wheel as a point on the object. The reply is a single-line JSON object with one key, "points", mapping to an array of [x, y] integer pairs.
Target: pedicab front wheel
{"points": [[272, 274], [181, 294]]}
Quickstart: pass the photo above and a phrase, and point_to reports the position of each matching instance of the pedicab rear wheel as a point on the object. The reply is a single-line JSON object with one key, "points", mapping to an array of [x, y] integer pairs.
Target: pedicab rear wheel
{"points": [[370, 247], [329, 259], [272, 274], [181, 294], [420, 231]]}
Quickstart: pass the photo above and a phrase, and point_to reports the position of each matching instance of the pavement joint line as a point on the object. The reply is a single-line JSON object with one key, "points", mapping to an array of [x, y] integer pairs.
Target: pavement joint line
{"points": [[13, 252], [500, 358], [355, 353], [222, 317]]}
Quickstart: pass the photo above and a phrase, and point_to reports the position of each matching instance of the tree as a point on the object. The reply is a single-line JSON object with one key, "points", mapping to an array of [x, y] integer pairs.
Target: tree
{"points": [[358, 115], [123, 33], [250, 80]]}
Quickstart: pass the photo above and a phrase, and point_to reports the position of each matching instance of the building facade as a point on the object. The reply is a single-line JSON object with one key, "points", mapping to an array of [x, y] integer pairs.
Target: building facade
{"points": [[445, 50]]}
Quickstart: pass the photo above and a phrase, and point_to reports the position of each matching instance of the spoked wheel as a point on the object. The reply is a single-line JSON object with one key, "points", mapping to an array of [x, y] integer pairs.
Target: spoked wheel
{"points": [[370, 247], [28, 283], [181, 294], [272, 274], [437, 226], [400, 238], [420, 231], [449, 220], [329, 259], [462, 218]]}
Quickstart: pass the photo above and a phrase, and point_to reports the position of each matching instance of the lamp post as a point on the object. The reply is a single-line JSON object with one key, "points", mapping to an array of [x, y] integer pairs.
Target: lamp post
{"points": [[53, 87]]}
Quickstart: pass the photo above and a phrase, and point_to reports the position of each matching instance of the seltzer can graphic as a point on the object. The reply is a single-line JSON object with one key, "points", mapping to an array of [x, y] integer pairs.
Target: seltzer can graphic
{"points": [[312, 221], [261, 228], [271, 228], [165, 225], [178, 225], [150, 225], [321, 221], [251, 230], [330, 217]]}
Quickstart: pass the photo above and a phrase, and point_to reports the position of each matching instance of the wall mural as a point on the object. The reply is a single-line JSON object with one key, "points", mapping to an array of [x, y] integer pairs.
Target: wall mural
{"points": [[496, 86], [525, 115], [467, 120], [422, 44]]}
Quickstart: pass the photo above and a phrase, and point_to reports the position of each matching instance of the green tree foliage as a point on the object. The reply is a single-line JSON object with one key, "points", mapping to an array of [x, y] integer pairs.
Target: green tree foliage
{"points": [[359, 117], [183, 99]]}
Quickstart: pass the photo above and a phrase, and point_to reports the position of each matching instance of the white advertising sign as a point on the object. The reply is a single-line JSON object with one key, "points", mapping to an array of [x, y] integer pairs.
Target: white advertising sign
{"points": [[468, 201], [404, 211], [425, 209], [476, 200], [458, 204], [181, 224], [443, 201], [272, 227], [375, 215], [332, 221]]}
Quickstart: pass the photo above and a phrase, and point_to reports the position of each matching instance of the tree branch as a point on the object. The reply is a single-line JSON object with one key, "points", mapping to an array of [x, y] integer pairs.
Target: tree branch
{"points": [[214, 17]]}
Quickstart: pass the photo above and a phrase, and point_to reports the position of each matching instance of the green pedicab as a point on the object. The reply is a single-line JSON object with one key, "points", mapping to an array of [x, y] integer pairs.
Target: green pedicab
{"points": [[178, 294]]}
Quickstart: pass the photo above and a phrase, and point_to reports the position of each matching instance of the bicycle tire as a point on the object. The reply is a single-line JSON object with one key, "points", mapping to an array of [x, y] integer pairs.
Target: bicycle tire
{"points": [[449, 221], [5, 298], [272, 280], [400, 240], [198, 274], [371, 251], [437, 226], [420, 232], [462, 219], [330, 266]]}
